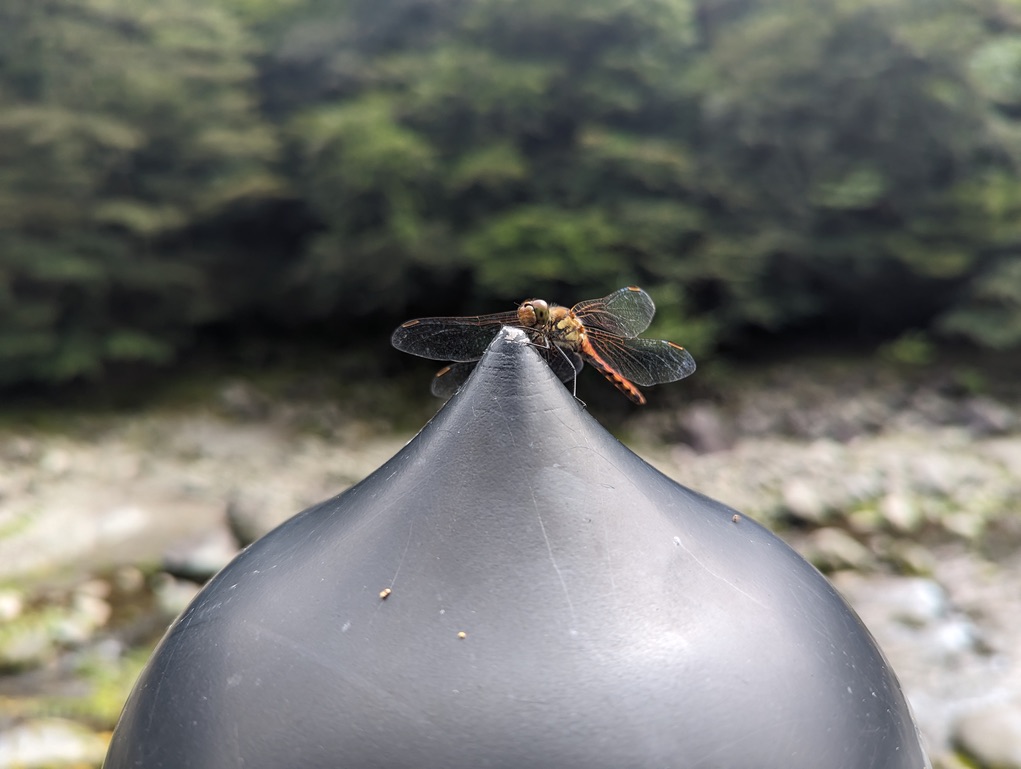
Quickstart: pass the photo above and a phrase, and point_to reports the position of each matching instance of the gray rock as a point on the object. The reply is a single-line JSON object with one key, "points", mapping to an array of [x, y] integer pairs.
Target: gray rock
{"points": [[50, 743], [25, 644], [56, 462], [88, 613], [984, 416], [912, 601], [704, 428], [933, 408], [18, 449], [12, 603], [965, 523], [803, 500], [243, 401], [254, 512], [173, 595], [991, 735], [935, 473], [1001, 538], [911, 558], [753, 419], [912, 615], [831, 548], [901, 511], [199, 559], [129, 579]]}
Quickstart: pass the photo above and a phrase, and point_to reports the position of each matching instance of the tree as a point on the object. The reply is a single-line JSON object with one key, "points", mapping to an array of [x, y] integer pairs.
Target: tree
{"points": [[758, 164], [850, 162], [121, 127], [487, 150]]}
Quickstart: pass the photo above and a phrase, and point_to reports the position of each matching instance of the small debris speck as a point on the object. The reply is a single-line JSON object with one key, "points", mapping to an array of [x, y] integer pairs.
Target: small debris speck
{"points": [[462, 634], [736, 518], [384, 593]]}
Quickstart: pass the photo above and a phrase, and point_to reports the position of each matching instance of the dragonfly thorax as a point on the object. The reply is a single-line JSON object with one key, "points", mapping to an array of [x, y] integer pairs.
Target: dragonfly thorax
{"points": [[551, 323], [565, 328]]}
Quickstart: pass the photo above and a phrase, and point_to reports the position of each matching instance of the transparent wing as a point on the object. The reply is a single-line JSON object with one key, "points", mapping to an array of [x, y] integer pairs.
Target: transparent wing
{"points": [[626, 312], [448, 380], [643, 361], [455, 339]]}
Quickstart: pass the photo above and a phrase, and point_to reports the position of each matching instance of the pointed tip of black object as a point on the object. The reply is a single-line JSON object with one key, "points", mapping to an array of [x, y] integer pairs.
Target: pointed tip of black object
{"points": [[554, 601]]}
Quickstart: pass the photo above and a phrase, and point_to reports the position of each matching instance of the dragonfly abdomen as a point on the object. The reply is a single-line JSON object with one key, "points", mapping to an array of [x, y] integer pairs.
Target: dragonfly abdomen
{"points": [[604, 368]]}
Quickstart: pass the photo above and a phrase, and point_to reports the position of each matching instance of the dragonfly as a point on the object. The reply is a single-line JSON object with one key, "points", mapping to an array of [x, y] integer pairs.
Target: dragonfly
{"points": [[601, 332]]}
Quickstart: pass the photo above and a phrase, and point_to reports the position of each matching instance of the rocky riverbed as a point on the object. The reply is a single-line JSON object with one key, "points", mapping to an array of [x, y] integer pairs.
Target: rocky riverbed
{"points": [[908, 497]]}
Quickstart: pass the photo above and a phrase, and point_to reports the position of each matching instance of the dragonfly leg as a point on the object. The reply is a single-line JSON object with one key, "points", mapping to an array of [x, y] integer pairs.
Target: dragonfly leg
{"points": [[573, 362], [543, 345], [572, 358]]}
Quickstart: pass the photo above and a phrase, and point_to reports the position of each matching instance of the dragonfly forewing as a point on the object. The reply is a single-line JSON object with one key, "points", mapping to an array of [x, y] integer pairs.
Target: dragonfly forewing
{"points": [[626, 312], [451, 339]]}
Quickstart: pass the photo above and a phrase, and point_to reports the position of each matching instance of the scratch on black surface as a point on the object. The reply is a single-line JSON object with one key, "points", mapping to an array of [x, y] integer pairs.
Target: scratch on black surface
{"points": [[407, 544], [726, 581], [778, 732], [170, 658], [553, 560]]}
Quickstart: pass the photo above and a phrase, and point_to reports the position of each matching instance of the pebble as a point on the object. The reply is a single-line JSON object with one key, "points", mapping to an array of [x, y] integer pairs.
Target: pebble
{"points": [[1001, 538], [911, 558], [901, 511], [991, 735], [254, 512], [88, 613], [984, 416], [830, 548], [173, 595], [50, 743], [964, 523], [704, 428], [129, 579], [950, 760], [933, 407], [199, 559], [912, 601], [56, 462], [802, 500], [242, 400], [18, 449], [24, 645], [12, 602]]}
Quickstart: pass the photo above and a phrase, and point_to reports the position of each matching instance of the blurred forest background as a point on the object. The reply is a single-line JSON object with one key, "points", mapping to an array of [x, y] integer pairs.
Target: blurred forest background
{"points": [[196, 175]]}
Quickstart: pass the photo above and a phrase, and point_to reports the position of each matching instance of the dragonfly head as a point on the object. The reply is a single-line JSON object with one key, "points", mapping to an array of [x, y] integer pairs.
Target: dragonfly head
{"points": [[534, 312]]}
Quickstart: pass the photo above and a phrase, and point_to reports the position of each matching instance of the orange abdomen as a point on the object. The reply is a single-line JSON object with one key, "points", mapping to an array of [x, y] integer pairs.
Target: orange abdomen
{"points": [[609, 372]]}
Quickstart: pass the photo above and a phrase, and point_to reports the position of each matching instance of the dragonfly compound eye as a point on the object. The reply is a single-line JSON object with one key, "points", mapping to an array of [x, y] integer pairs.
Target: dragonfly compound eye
{"points": [[534, 312]]}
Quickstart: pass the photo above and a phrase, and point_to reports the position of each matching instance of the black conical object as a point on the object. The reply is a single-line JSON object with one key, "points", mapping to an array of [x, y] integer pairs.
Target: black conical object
{"points": [[553, 602]]}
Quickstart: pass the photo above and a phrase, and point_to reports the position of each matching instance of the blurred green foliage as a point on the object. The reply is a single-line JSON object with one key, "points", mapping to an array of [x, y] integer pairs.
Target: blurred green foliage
{"points": [[844, 166], [122, 127]]}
